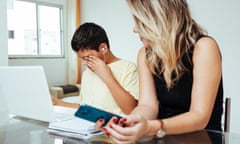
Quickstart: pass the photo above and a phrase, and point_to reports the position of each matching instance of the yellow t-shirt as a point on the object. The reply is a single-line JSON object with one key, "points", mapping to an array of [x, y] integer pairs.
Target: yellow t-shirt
{"points": [[95, 92]]}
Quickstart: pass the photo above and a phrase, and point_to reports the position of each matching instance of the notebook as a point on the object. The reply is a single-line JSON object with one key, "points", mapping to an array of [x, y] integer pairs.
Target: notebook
{"points": [[27, 94]]}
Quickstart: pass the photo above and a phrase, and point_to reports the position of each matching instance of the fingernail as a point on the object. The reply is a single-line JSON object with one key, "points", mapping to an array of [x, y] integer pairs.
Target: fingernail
{"points": [[101, 120], [104, 129], [122, 120], [115, 120], [108, 134]]}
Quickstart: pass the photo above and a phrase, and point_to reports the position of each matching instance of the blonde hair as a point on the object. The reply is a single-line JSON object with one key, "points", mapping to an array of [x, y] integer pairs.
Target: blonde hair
{"points": [[170, 31]]}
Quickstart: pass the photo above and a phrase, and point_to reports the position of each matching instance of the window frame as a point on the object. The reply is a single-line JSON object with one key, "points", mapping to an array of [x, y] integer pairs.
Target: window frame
{"points": [[61, 22]]}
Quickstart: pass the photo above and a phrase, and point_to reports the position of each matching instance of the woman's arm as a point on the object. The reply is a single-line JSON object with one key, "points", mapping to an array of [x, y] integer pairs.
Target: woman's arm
{"points": [[148, 102]]}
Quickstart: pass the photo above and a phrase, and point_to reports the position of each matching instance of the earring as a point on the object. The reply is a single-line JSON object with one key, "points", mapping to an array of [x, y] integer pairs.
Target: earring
{"points": [[103, 49]]}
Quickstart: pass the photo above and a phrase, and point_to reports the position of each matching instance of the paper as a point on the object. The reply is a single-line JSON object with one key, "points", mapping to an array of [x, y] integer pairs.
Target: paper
{"points": [[74, 135], [74, 127]]}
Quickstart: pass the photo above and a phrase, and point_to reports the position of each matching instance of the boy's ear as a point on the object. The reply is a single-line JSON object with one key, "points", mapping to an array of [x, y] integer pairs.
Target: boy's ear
{"points": [[102, 47]]}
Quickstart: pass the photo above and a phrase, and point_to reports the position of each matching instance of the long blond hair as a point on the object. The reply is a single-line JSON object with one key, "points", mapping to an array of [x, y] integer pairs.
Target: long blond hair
{"points": [[171, 32]]}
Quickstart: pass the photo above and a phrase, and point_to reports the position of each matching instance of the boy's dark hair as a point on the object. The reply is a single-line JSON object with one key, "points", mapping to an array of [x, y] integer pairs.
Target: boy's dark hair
{"points": [[89, 36]]}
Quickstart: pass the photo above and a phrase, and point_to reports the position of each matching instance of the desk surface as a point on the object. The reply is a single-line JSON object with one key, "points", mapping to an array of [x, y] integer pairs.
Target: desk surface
{"points": [[26, 131]]}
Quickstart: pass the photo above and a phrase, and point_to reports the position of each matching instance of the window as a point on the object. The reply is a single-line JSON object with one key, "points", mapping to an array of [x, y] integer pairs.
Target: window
{"points": [[34, 30]]}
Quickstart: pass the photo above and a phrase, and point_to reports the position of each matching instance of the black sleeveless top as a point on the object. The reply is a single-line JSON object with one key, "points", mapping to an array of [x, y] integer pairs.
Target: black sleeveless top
{"points": [[177, 100]]}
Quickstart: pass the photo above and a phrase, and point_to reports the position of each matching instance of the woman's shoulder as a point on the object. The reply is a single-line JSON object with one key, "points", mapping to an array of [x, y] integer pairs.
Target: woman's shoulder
{"points": [[206, 46], [206, 41], [141, 55], [141, 51]]}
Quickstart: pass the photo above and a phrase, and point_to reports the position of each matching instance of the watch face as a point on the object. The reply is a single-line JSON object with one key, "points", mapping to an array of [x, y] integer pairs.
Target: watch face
{"points": [[161, 133]]}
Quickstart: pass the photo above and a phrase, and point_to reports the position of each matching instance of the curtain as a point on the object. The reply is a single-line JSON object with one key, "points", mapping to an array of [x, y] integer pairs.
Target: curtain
{"points": [[73, 22], [77, 25]]}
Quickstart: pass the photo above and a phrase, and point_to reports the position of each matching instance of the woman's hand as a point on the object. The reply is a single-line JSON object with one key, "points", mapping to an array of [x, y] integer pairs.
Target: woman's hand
{"points": [[126, 130]]}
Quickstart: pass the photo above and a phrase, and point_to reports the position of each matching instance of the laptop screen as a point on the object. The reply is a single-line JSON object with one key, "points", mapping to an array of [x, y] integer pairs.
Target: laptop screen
{"points": [[26, 92]]}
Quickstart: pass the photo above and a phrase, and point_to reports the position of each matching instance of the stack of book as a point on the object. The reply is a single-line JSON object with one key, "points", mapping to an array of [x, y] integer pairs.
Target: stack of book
{"points": [[74, 127]]}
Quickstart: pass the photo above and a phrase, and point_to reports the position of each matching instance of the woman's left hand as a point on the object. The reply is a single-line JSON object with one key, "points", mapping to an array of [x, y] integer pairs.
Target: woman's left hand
{"points": [[127, 130]]}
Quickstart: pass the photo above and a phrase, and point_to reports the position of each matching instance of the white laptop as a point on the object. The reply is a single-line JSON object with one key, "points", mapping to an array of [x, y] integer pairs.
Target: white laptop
{"points": [[27, 94]]}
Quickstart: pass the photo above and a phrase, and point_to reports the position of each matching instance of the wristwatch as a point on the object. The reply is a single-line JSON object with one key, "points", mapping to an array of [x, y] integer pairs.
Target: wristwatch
{"points": [[161, 132]]}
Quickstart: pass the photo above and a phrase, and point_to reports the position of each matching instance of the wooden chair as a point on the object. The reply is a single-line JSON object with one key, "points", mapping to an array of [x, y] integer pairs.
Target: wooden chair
{"points": [[227, 110]]}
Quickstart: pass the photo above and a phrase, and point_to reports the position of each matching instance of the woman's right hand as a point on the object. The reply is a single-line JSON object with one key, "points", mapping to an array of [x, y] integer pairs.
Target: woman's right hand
{"points": [[128, 129]]}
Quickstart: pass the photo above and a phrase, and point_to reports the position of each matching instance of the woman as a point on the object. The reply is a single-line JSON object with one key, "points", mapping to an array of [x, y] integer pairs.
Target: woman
{"points": [[180, 74]]}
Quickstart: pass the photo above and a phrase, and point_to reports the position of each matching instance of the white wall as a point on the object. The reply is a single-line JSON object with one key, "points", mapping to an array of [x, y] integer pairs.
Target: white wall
{"points": [[115, 18], [55, 68], [219, 17]]}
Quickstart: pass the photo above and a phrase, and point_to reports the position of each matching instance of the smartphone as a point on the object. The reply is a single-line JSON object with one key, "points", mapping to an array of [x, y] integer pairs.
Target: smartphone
{"points": [[92, 114]]}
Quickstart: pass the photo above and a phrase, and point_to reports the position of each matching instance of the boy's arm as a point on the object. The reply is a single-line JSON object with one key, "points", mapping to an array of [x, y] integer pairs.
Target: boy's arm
{"points": [[59, 102]]}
